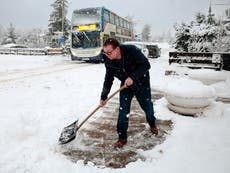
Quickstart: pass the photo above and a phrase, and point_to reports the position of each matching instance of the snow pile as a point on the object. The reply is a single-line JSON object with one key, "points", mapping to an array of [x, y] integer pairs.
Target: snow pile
{"points": [[16, 63], [222, 87], [207, 76], [187, 96]]}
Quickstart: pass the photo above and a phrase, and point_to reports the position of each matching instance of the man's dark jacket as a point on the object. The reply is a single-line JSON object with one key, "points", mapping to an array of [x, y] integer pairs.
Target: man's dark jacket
{"points": [[133, 64]]}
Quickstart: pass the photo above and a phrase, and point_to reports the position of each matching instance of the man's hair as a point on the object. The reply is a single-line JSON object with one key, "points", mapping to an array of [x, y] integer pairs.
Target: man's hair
{"points": [[112, 41]]}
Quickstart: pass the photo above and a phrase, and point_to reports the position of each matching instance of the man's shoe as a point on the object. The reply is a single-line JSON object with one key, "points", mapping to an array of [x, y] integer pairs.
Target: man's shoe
{"points": [[120, 143], [154, 129]]}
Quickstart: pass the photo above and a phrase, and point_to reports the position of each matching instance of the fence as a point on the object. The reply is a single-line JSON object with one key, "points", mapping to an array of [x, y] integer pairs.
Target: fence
{"points": [[213, 60], [32, 51]]}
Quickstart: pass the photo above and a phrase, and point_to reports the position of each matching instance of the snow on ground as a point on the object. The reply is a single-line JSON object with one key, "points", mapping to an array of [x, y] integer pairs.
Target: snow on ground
{"points": [[34, 110], [21, 62]]}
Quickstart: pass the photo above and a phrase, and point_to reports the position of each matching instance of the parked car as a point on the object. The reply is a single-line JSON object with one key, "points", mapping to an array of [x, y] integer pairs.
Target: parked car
{"points": [[154, 50], [139, 45]]}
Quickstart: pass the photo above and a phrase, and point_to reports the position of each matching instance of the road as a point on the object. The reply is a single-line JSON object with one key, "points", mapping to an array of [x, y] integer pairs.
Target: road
{"points": [[8, 76]]}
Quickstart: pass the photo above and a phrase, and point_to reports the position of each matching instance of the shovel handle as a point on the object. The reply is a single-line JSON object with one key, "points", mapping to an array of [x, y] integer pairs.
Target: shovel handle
{"points": [[99, 106], [119, 90]]}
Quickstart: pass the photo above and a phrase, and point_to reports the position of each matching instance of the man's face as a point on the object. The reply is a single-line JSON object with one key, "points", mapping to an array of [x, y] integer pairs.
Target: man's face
{"points": [[111, 53]]}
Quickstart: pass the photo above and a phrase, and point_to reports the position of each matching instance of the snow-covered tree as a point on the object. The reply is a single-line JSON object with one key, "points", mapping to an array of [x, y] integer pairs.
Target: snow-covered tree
{"points": [[10, 36], [33, 38], [202, 35], [224, 40], [146, 33], [2, 33], [58, 23], [211, 20], [183, 36], [200, 18], [203, 38]]}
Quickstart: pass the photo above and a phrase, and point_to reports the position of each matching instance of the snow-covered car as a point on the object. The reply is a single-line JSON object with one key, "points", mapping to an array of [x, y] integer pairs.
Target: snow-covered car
{"points": [[154, 50], [139, 45]]}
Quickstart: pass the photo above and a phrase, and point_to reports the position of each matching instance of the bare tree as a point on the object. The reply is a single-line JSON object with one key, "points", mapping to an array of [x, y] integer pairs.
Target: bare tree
{"points": [[146, 33], [132, 21]]}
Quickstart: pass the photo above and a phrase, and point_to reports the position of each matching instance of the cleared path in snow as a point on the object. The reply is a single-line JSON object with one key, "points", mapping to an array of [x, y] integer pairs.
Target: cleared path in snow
{"points": [[95, 142]]}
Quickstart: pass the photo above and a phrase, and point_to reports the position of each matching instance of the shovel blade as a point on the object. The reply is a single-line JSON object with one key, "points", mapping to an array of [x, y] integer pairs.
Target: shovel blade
{"points": [[68, 133]]}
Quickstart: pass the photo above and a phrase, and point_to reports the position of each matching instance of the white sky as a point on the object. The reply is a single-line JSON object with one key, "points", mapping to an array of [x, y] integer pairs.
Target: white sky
{"points": [[160, 14]]}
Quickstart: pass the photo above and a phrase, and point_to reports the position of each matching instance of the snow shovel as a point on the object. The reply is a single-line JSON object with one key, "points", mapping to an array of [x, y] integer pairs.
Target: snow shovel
{"points": [[69, 132]]}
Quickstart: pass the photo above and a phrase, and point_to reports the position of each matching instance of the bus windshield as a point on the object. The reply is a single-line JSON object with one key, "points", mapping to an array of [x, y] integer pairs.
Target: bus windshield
{"points": [[86, 16], [85, 40]]}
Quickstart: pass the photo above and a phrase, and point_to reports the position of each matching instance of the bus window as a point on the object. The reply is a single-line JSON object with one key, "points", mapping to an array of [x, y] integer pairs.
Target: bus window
{"points": [[118, 30], [112, 34], [105, 38], [122, 23], [126, 24], [129, 25], [129, 33], [116, 20], [86, 16], [106, 16], [111, 18]]}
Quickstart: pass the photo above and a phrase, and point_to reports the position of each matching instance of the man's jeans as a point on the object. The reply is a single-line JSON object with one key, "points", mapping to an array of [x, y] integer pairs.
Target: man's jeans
{"points": [[143, 96]]}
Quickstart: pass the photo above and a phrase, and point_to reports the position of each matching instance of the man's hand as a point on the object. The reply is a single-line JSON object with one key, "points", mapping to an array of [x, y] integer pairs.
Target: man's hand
{"points": [[128, 82], [102, 103]]}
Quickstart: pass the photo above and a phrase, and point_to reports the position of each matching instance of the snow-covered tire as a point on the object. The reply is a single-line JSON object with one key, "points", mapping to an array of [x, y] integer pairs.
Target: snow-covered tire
{"points": [[189, 101], [185, 111], [189, 93]]}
